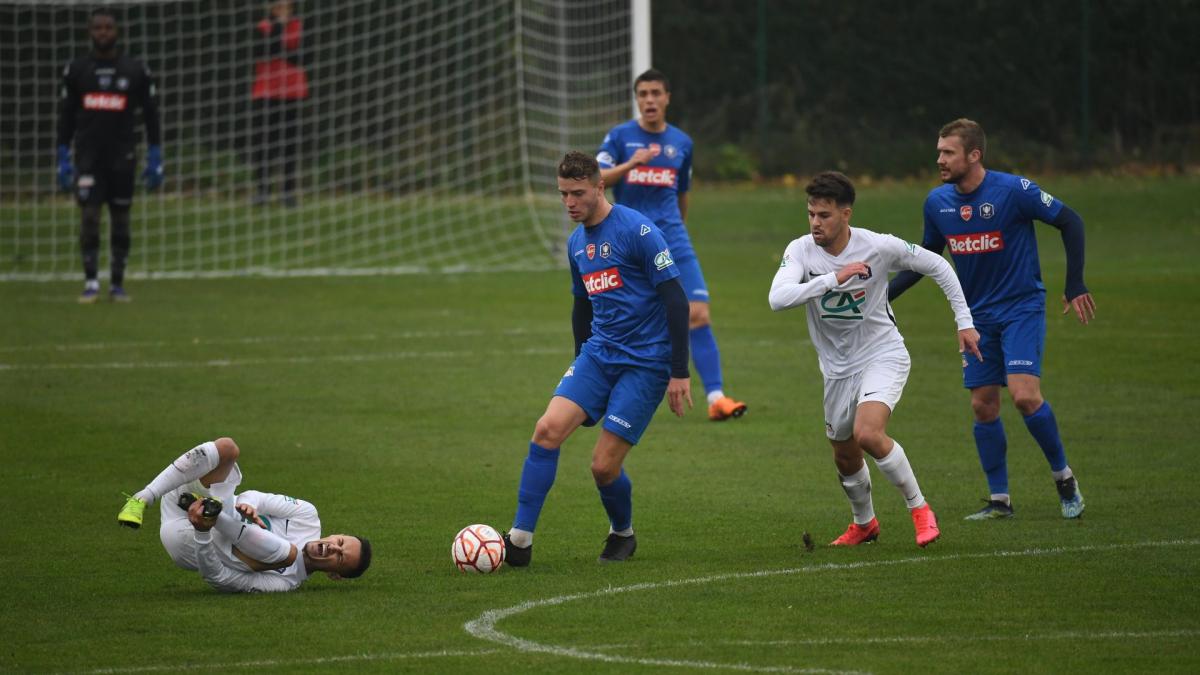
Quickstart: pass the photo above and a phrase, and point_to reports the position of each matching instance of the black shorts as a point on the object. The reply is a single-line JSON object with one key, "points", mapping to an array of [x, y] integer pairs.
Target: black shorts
{"points": [[111, 186]]}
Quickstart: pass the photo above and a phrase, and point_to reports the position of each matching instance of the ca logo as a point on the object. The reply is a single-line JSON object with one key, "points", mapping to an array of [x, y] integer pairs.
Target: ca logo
{"points": [[843, 305]]}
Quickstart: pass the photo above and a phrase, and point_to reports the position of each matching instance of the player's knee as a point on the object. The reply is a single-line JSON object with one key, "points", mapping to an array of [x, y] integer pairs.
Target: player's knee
{"points": [[985, 410], [227, 450], [1027, 402], [871, 439], [605, 472], [549, 433]]}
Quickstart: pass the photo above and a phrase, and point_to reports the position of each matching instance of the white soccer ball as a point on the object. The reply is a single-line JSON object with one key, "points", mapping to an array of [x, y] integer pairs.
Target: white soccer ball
{"points": [[478, 548]]}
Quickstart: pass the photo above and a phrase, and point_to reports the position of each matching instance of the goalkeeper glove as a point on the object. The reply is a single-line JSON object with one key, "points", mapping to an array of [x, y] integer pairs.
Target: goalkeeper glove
{"points": [[153, 174], [66, 174]]}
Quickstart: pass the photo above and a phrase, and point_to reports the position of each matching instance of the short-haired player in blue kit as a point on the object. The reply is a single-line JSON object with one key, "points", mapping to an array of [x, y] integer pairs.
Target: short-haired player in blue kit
{"points": [[630, 321], [648, 164], [986, 218]]}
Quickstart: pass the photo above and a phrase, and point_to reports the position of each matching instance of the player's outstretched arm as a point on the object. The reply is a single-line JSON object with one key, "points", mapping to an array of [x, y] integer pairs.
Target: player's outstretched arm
{"points": [[611, 175], [931, 240], [924, 262], [789, 289], [1076, 295]]}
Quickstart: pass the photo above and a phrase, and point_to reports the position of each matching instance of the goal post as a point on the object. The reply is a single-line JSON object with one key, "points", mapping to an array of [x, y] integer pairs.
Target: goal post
{"points": [[427, 141]]}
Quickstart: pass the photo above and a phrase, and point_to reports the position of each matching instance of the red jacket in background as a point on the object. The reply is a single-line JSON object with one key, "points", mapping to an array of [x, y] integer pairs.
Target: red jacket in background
{"points": [[277, 75]]}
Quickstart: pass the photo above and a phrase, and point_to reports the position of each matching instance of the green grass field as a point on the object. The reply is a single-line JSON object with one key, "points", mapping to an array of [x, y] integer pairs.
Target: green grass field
{"points": [[402, 407]]}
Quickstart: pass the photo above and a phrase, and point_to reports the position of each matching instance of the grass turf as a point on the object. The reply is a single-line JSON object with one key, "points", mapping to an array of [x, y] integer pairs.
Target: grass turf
{"points": [[402, 406]]}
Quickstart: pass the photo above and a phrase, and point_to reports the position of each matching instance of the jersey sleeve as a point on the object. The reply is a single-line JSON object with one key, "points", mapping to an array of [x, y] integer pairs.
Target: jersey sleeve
{"points": [[577, 287], [789, 289], [150, 108], [69, 104], [1035, 203], [685, 170], [905, 256], [228, 580], [656, 256], [608, 156]]}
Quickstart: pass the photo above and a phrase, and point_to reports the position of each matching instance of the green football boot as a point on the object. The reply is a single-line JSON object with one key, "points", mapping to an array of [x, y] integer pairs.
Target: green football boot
{"points": [[131, 514]]}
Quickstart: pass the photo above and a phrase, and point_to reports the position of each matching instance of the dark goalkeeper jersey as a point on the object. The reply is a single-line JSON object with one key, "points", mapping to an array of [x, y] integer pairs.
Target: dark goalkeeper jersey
{"points": [[99, 97]]}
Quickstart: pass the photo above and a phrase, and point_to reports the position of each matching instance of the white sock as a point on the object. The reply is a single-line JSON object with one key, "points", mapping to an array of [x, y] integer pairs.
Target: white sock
{"points": [[1064, 474], [623, 533], [91, 284], [897, 469], [858, 490], [715, 395], [190, 466], [257, 543], [520, 538], [1001, 497]]}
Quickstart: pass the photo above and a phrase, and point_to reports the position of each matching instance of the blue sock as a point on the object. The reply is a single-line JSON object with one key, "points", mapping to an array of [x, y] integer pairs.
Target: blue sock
{"points": [[536, 479], [992, 446], [707, 357], [617, 497], [1044, 428]]}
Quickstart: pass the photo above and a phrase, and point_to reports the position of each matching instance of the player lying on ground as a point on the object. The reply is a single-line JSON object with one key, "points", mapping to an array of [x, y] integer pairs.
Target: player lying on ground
{"points": [[840, 275], [987, 217], [263, 543], [630, 322]]}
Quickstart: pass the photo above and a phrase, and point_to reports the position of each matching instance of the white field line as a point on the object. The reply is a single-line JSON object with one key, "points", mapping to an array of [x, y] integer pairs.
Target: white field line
{"points": [[275, 339], [484, 627], [274, 663], [290, 360]]}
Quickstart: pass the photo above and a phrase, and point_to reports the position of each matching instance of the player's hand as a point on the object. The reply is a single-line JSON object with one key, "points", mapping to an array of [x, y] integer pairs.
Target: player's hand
{"points": [[251, 514], [197, 519], [968, 342], [855, 269], [66, 173], [679, 390], [153, 174], [1084, 306], [642, 155]]}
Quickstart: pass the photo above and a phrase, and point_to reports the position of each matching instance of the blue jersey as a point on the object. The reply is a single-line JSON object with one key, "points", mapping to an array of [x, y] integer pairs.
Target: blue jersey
{"points": [[992, 242], [653, 188], [618, 264]]}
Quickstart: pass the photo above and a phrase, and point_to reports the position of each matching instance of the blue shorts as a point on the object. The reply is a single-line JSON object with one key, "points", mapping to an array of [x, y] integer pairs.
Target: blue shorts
{"points": [[1014, 346], [692, 279], [623, 395]]}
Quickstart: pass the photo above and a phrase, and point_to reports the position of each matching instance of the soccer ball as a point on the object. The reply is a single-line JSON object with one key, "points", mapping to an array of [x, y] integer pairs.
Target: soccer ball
{"points": [[478, 548]]}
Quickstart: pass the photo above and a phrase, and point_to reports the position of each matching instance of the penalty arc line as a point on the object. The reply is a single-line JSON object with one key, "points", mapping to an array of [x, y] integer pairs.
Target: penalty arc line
{"points": [[484, 627]]}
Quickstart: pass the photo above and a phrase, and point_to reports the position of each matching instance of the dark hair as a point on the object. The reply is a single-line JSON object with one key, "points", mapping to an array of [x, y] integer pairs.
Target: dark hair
{"points": [[364, 559], [831, 185], [577, 166], [653, 75], [103, 11], [969, 131]]}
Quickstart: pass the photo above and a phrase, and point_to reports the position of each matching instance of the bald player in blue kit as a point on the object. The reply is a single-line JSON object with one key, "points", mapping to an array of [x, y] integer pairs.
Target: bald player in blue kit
{"points": [[630, 321], [986, 218]]}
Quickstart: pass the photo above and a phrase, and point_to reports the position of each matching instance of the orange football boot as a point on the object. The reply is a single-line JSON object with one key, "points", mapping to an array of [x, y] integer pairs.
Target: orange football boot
{"points": [[858, 534], [725, 408]]}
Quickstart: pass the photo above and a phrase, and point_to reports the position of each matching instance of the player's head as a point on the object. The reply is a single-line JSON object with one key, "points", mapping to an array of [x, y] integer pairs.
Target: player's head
{"points": [[341, 556], [652, 90], [280, 9], [960, 147], [580, 186], [830, 204], [102, 27]]}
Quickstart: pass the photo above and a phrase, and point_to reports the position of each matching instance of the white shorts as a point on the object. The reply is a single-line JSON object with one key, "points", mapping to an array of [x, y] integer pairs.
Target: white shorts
{"points": [[176, 530], [882, 380]]}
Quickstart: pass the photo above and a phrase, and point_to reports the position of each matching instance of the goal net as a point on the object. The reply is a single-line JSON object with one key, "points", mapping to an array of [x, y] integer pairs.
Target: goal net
{"points": [[427, 141]]}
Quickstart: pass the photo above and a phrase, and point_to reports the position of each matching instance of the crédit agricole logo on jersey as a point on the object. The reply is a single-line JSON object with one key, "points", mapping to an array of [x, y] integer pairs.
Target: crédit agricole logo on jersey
{"points": [[843, 305], [602, 281]]}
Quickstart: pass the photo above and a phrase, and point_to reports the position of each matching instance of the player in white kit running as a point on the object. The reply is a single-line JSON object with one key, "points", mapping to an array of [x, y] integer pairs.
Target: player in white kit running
{"points": [[840, 275], [262, 543]]}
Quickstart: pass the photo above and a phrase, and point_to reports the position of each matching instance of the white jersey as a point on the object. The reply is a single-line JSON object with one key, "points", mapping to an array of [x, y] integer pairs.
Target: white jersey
{"points": [[293, 519], [851, 323]]}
